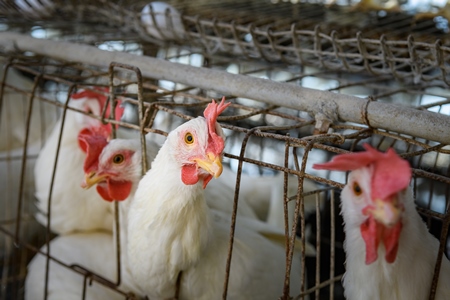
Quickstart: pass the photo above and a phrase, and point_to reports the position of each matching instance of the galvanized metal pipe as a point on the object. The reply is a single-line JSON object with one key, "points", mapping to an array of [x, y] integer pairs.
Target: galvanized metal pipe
{"points": [[401, 119]]}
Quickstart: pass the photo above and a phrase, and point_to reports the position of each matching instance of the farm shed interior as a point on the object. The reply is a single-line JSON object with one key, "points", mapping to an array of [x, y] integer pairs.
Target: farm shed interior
{"points": [[306, 80]]}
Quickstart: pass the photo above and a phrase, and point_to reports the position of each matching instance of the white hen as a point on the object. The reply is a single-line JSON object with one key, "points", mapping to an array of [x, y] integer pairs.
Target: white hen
{"points": [[170, 229], [120, 167], [72, 208], [381, 220], [91, 250], [116, 168]]}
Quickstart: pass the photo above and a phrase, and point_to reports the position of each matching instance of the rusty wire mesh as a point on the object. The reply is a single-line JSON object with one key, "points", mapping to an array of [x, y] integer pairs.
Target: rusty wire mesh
{"points": [[267, 139], [413, 47], [406, 66]]}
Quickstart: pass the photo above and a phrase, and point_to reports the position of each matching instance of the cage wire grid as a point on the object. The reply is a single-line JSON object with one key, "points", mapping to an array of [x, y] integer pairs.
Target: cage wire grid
{"points": [[412, 45], [406, 66], [255, 132]]}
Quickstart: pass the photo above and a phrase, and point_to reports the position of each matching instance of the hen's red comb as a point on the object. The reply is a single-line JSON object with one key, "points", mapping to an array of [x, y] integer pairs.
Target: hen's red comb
{"points": [[91, 93], [212, 111], [101, 98], [92, 141], [391, 173]]}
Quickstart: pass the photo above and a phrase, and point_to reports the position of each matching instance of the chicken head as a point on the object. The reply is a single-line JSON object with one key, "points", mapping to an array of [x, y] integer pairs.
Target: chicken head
{"points": [[93, 101], [113, 166], [374, 189], [199, 144]]}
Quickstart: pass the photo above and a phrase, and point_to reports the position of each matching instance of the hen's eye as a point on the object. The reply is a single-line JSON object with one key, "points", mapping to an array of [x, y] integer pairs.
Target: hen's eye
{"points": [[118, 159], [357, 189], [188, 138]]}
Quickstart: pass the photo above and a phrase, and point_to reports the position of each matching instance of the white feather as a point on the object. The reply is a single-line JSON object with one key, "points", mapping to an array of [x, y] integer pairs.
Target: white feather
{"points": [[170, 229], [134, 174], [219, 195], [410, 275], [260, 197], [90, 250], [72, 208]]}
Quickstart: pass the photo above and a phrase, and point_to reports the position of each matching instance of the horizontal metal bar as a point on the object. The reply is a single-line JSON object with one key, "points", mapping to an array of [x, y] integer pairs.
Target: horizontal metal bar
{"points": [[401, 119]]}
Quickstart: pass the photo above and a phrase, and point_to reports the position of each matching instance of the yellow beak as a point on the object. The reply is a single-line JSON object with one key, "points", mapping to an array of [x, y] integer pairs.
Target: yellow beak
{"points": [[386, 212], [211, 164], [91, 179]]}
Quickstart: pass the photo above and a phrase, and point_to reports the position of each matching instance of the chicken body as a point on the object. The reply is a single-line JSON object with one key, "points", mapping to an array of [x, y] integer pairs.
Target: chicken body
{"points": [[219, 197], [259, 198], [118, 170], [117, 180], [376, 268], [91, 250], [171, 230], [72, 208]]}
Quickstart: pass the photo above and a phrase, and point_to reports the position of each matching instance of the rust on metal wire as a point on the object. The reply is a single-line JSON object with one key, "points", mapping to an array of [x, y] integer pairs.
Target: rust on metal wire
{"points": [[262, 139]]}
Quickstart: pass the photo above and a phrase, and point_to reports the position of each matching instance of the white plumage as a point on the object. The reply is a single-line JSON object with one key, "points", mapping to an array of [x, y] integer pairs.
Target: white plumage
{"points": [[170, 229], [377, 209], [112, 174], [410, 276], [259, 198], [72, 208], [219, 197], [91, 250]]}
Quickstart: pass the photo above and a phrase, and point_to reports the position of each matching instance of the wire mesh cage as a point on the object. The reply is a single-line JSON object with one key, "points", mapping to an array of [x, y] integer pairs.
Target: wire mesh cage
{"points": [[288, 112], [354, 37]]}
